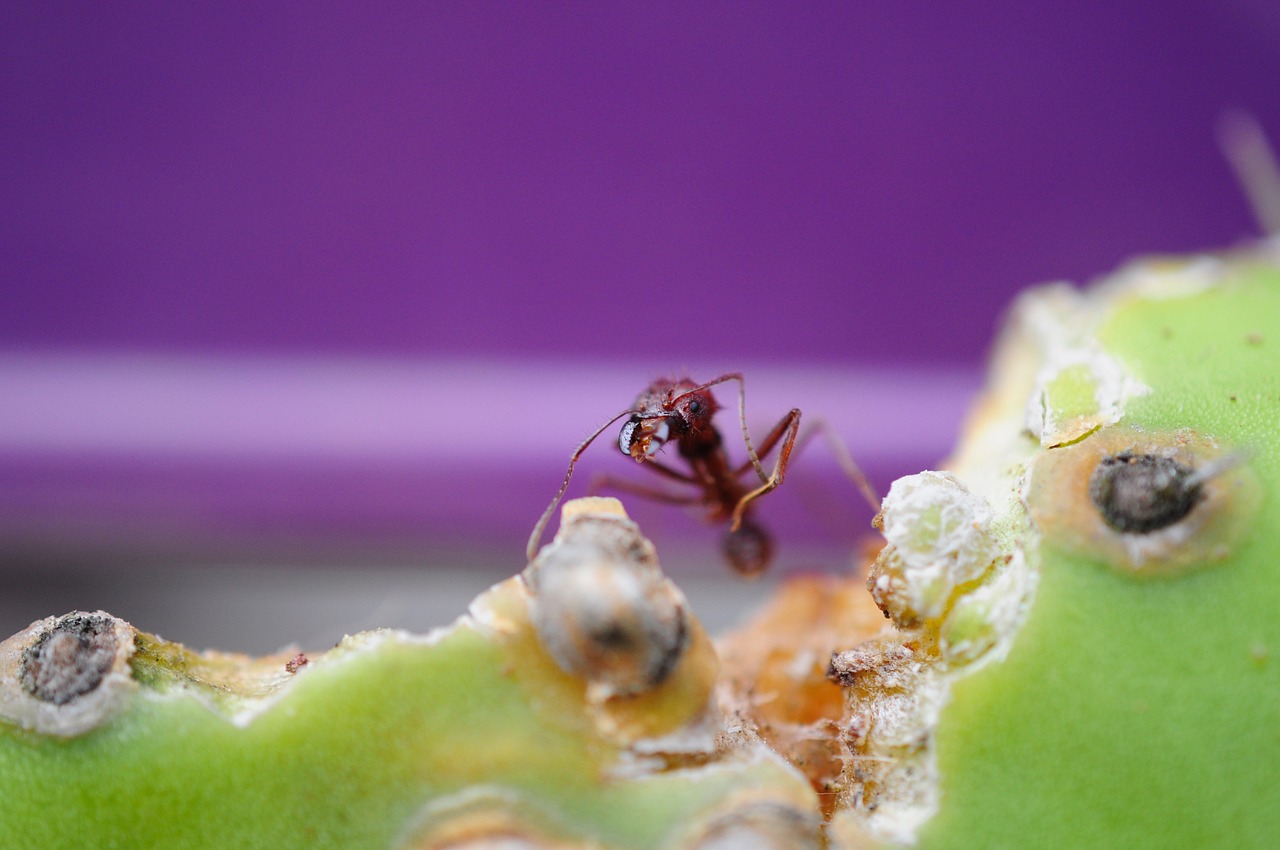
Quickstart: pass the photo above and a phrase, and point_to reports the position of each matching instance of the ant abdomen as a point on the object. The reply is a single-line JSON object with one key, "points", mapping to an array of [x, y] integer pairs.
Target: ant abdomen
{"points": [[748, 549]]}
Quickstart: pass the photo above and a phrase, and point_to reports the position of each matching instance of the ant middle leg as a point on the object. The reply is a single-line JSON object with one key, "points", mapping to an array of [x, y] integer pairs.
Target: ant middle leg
{"points": [[844, 459]]}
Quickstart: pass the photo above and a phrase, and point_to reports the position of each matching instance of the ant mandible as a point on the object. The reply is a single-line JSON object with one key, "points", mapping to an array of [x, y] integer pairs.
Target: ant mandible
{"points": [[681, 410]]}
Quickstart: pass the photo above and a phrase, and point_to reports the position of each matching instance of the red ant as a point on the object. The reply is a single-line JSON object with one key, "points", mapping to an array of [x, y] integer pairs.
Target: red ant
{"points": [[681, 410]]}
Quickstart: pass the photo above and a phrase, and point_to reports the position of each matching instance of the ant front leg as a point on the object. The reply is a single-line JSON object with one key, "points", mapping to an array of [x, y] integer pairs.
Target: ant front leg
{"points": [[771, 440], [839, 451], [785, 431]]}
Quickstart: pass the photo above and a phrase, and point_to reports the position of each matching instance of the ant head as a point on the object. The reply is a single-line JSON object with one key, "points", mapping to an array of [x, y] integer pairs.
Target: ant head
{"points": [[666, 410]]}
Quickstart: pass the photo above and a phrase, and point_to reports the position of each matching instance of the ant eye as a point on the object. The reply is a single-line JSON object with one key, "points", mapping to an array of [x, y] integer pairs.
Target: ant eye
{"points": [[695, 407]]}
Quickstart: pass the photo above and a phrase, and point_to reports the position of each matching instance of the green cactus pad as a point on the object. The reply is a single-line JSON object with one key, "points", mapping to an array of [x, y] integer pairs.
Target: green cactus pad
{"points": [[1139, 704], [390, 741]]}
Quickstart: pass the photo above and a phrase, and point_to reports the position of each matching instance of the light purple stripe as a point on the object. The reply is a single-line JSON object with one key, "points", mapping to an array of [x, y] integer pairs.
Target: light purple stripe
{"points": [[99, 451], [489, 412]]}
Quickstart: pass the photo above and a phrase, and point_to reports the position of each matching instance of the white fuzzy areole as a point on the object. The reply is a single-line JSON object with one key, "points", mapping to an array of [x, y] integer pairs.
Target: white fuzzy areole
{"points": [[939, 538], [1113, 386], [959, 592]]}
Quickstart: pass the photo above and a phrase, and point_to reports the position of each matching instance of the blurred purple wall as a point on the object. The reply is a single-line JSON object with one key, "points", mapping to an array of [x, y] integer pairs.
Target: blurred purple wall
{"points": [[825, 184], [834, 181]]}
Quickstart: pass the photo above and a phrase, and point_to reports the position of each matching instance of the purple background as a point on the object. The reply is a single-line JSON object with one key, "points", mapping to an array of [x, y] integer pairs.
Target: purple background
{"points": [[827, 181], [839, 186]]}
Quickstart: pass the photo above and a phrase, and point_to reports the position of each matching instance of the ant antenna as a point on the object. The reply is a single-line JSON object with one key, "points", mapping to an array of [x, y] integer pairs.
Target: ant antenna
{"points": [[535, 538], [1245, 146]]}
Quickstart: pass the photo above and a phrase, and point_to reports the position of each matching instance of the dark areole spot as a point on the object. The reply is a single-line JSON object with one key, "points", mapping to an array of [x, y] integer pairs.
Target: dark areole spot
{"points": [[1142, 493], [613, 636], [70, 659]]}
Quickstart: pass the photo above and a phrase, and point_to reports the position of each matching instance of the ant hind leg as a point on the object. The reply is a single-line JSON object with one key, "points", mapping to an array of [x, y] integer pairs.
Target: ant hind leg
{"points": [[656, 494], [844, 459]]}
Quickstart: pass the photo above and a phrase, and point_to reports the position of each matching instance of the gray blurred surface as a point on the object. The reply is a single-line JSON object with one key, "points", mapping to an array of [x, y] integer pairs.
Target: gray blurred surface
{"points": [[265, 608]]}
